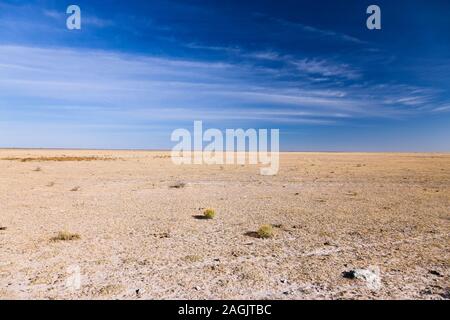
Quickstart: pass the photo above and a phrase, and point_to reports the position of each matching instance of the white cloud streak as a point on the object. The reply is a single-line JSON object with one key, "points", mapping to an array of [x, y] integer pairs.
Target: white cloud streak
{"points": [[124, 88]]}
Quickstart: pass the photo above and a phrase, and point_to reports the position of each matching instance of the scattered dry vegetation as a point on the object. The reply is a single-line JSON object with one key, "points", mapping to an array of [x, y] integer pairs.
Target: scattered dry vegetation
{"points": [[265, 231], [161, 235], [65, 236], [209, 214], [58, 159], [192, 258], [313, 223], [110, 289], [177, 185]]}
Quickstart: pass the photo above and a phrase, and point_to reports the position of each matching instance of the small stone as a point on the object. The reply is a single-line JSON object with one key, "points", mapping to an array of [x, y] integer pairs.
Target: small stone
{"points": [[435, 273], [445, 294], [349, 274], [370, 277]]}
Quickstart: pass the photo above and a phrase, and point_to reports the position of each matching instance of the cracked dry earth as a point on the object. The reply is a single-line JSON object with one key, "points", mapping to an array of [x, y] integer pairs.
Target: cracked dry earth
{"points": [[134, 213]]}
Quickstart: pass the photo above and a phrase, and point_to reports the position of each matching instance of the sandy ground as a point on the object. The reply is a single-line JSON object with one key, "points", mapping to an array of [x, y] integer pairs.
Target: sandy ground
{"points": [[140, 239]]}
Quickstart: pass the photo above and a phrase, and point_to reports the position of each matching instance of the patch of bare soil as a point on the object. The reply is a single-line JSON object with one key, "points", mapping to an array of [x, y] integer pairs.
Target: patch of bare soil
{"points": [[329, 225]]}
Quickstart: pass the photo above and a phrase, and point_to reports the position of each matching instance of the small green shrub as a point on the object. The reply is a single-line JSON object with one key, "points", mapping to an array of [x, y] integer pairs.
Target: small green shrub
{"points": [[265, 231], [209, 214]]}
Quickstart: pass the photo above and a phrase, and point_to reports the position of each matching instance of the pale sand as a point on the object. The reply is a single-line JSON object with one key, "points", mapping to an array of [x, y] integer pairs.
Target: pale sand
{"points": [[335, 212]]}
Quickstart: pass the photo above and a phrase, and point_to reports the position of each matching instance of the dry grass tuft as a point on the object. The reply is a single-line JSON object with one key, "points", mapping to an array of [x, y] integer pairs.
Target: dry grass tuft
{"points": [[177, 185], [209, 214], [265, 231], [110, 289], [192, 258], [65, 236], [161, 235]]}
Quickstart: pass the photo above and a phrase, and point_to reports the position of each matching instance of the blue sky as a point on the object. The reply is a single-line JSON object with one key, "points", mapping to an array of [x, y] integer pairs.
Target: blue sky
{"points": [[140, 69]]}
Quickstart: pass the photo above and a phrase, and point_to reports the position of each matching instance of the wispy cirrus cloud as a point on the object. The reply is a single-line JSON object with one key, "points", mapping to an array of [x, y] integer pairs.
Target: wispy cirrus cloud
{"points": [[325, 33], [442, 108], [318, 32], [321, 68], [164, 64], [123, 87], [326, 68]]}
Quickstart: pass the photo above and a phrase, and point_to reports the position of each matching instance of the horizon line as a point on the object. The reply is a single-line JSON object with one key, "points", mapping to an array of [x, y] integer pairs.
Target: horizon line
{"points": [[169, 150]]}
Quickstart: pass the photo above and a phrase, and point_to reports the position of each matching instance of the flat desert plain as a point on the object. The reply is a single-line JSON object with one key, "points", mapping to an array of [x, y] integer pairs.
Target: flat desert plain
{"points": [[133, 227]]}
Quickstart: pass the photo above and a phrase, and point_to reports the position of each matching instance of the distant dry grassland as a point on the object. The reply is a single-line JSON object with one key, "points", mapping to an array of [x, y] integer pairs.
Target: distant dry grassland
{"points": [[58, 159]]}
